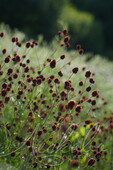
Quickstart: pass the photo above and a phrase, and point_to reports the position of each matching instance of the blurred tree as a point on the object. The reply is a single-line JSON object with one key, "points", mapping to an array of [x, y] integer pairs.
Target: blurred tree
{"points": [[103, 11], [32, 16], [83, 28], [40, 17]]}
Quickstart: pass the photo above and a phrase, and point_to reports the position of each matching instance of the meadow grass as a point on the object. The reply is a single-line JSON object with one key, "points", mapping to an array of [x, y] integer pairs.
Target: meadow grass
{"points": [[55, 105]]}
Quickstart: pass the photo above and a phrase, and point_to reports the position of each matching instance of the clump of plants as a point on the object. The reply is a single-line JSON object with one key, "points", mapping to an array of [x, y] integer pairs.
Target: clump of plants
{"points": [[52, 116]]}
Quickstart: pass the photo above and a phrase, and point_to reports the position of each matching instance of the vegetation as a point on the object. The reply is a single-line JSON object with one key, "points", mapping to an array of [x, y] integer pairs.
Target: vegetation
{"points": [[55, 105], [84, 28], [89, 21], [102, 10]]}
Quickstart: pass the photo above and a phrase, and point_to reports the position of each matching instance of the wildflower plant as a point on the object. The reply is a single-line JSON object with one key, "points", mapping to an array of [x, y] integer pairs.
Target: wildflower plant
{"points": [[52, 116]]}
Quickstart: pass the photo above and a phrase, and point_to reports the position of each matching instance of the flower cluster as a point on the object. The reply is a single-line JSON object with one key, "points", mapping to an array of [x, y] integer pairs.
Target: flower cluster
{"points": [[47, 117]]}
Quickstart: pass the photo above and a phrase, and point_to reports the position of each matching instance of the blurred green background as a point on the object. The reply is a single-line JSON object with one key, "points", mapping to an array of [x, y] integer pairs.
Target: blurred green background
{"points": [[90, 22]]}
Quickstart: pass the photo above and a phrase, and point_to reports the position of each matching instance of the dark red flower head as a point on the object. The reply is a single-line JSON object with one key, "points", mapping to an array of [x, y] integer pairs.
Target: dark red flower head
{"points": [[75, 70], [78, 46], [88, 74], [65, 32], [28, 44], [91, 161], [53, 63], [81, 51], [94, 93], [1, 34], [71, 104], [62, 57]]}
